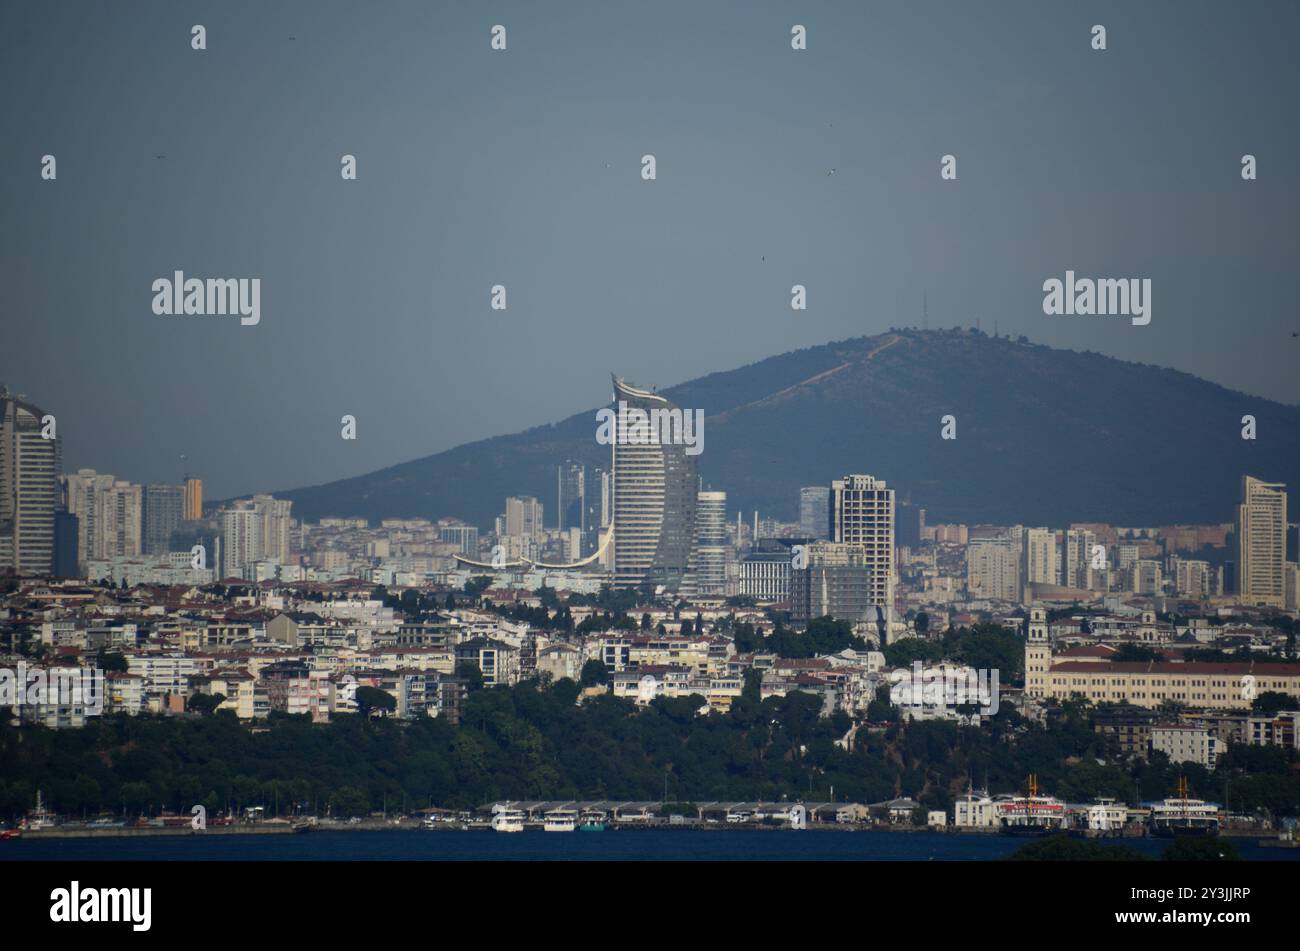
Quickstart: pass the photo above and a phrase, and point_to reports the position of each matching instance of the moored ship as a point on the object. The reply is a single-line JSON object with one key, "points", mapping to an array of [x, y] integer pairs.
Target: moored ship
{"points": [[1181, 815], [505, 819], [1031, 815]]}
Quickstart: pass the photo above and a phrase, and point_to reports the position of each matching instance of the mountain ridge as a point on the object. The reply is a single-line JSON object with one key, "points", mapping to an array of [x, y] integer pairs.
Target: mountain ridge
{"points": [[1044, 436]]}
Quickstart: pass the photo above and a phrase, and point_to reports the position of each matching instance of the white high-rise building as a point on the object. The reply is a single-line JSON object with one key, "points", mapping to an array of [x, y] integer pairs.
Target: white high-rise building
{"points": [[110, 515], [993, 567], [655, 487], [1076, 564], [1261, 543], [862, 514], [1040, 564], [522, 518], [711, 543], [254, 530], [29, 487]]}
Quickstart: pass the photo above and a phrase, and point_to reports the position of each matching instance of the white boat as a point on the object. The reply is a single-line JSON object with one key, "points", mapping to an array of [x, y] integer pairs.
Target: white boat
{"points": [[1181, 815], [1030, 815], [1105, 816], [505, 819], [560, 820], [38, 818]]}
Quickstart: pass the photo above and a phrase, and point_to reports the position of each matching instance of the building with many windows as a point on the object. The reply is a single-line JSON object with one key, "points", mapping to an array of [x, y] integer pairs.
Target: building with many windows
{"points": [[655, 493], [30, 465], [862, 515], [1261, 543]]}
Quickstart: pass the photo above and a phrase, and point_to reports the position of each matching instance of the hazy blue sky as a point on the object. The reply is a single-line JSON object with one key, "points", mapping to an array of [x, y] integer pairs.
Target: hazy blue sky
{"points": [[522, 168]]}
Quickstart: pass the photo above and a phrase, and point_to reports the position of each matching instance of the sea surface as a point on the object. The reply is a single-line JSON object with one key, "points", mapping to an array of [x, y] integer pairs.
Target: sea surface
{"points": [[623, 845]]}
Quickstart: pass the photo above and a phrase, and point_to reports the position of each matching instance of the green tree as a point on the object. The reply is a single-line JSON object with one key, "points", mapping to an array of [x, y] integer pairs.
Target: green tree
{"points": [[1271, 701], [204, 703], [469, 672], [370, 699], [349, 801], [112, 662], [594, 672]]}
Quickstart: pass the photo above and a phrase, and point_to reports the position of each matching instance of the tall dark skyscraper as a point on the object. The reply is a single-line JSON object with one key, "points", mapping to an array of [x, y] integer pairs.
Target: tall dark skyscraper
{"points": [[571, 496], [164, 507], [655, 485], [66, 526], [815, 512]]}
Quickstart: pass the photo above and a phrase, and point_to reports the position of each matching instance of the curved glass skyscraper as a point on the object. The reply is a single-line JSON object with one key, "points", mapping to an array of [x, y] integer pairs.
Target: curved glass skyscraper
{"points": [[655, 485]]}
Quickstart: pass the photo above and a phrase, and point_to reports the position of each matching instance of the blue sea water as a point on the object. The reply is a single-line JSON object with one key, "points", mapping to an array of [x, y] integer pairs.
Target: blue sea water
{"points": [[615, 845]]}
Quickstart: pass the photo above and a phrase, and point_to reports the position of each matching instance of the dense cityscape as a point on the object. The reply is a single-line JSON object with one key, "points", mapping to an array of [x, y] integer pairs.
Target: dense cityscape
{"points": [[1167, 653]]}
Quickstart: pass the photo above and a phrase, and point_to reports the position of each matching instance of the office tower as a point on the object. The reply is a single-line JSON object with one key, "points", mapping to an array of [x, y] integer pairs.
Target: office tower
{"points": [[711, 543], [815, 512], [523, 517], [655, 485], [837, 580], [993, 565], [110, 515], [596, 504], [1261, 543], [571, 496], [1076, 565], [30, 466], [254, 530], [910, 521], [862, 514], [193, 499], [163, 507]]}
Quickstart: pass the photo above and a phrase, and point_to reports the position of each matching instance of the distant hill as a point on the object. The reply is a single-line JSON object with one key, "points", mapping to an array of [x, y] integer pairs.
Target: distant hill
{"points": [[1045, 437]]}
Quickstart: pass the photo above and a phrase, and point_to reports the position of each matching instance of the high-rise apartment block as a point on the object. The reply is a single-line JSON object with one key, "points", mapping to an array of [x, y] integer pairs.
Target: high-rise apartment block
{"points": [[164, 506], [30, 464], [110, 515], [1261, 543], [862, 515], [254, 530], [193, 499]]}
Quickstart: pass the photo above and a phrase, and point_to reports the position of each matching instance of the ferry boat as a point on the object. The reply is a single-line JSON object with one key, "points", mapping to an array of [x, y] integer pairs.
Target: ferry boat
{"points": [[1181, 815], [1104, 816], [1031, 815], [38, 818], [560, 820], [505, 819]]}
